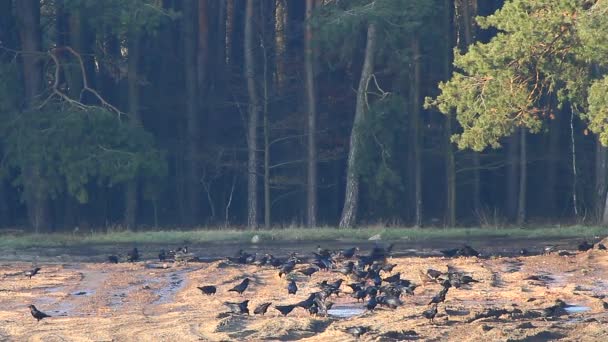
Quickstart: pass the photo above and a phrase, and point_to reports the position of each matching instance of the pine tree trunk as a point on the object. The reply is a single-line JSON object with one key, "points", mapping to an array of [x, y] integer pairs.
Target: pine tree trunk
{"points": [[601, 165], [552, 169], [351, 197], [311, 184], [512, 177], [266, 50], [252, 184], [523, 178], [131, 193], [36, 195], [450, 169], [416, 131], [192, 79]]}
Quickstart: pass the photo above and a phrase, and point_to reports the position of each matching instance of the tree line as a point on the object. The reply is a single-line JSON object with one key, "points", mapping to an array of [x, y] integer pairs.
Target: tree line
{"points": [[274, 113]]}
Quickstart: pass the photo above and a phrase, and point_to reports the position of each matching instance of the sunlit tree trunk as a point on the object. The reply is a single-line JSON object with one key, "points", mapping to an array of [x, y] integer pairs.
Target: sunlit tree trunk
{"points": [[311, 99], [511, 183], [523, 178], [252, 184], [131, 194], [351, 197], [450, 172], [416, 136], [36, 194]]}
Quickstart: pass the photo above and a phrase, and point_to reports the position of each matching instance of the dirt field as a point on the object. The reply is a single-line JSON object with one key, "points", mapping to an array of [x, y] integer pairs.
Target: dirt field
{"points": [[139, 302]]}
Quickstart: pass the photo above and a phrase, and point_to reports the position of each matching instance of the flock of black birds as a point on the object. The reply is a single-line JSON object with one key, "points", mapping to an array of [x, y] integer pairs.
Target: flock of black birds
{"points": [[373, 281]]}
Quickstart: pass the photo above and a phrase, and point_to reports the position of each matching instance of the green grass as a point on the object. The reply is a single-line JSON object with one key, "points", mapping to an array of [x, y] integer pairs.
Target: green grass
{"points": [[293, 235]]}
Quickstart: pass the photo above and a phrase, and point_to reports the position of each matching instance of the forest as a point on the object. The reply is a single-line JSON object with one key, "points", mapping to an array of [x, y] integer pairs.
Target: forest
{"points": [[302, 113]]}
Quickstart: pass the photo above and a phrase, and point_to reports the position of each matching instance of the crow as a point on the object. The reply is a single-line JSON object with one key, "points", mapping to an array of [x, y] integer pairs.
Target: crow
{"points": [[287, 267], [450, 252], [238, 308], [162, 256], [359, 295], [32, 272], [208, 290], [285, 309], [391, 301], [371, 303], [113, 259], [601, 247], [346, 269], [309, 271], [468, 251], [433, 274], [308, 302], [388, 268], [356, 286], [133, 255], [261, 309], [292, 288], [240, 288], [584, 246], [38, 315], [440, 297], [322, 252], [349, 253], [357, 331], [430, 313], [393, 279]]}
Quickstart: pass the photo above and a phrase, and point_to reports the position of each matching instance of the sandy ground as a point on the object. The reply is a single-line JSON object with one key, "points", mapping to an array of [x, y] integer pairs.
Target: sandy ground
{"points": [[135, 302]]}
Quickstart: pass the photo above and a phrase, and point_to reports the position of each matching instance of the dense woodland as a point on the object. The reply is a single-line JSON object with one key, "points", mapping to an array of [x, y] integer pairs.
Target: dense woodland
{"points": [[255, 113]]}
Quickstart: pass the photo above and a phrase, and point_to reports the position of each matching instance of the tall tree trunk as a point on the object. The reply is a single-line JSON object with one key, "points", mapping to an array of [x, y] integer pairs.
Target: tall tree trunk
{"points": [[450, 166], [512, 177], [252, 145], [266, 10], [601, 167], [351, 197], [416, 136], [131, 193], [36, 195], [311, 97], [553, 168], [523, 178], [281, 21], [192, 79]]}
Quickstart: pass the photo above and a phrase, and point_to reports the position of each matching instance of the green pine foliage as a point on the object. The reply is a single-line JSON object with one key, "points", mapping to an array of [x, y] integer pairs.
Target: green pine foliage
{"points": [[543, 47]]}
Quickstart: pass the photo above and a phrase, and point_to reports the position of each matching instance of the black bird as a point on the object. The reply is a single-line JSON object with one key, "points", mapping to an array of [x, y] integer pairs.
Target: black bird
{"points": [[359, 295], [601, 247], [133, 255], [440, 297], [162, 256], [430, 313], [38, 315], [292, 288], [391, 301], [32, 272], [240, 288], [523, 252], [261, 309], [308, 302], [285, 309], [393, 279], [113, 259], [388, 268], [371, 303], [433, 274], [356, 286], [309, 271], [357, 331], [322, 252], [238, 308], [349, 253], [584, 246], [450, 252], [468, 251], [287, 267], [346, 269], [208, 290]]}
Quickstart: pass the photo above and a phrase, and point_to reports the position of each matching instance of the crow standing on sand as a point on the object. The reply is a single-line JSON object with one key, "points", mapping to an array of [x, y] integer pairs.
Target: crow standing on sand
{"points": [[32, 272], [38, 315], [240, 288], [308, 271], [430, 313], [261, 309], [292, 288], [357, 331], [133, 255], [113, 259], [162, 256], [238, 308], [208, 290], [285, 309]]}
